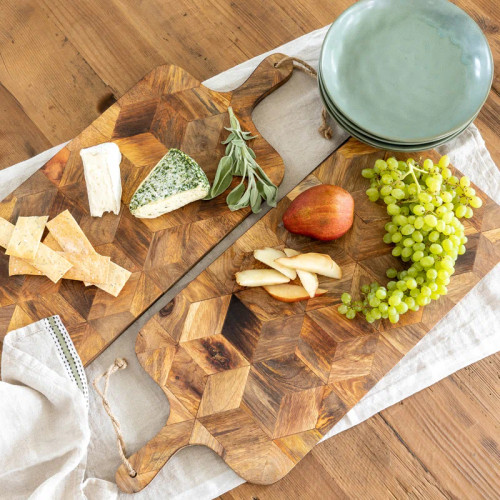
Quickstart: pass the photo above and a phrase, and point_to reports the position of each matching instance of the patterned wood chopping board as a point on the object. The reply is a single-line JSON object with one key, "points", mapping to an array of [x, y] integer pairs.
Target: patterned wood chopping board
{"points": [[167, 109], [261, 381]]}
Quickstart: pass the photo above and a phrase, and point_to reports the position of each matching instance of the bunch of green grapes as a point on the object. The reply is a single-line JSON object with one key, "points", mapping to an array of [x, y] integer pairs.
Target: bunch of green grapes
{"points": [[426, 203]]}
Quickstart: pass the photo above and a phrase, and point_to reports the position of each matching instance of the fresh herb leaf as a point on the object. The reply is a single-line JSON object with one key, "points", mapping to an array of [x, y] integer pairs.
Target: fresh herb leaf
{"points": [[254, 192], [239, 160], [235, 195], [244, 200], [256, 205], [223, 177]]}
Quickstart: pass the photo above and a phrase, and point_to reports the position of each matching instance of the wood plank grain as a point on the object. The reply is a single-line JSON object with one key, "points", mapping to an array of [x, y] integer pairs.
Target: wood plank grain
{"points": [[227, 33], [20, 138], [74, 86], [311, 480], [456, 425], [120, 63], [379, 466]]}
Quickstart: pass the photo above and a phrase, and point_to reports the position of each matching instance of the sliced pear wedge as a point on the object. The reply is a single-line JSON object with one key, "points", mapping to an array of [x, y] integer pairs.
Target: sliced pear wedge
{"points": [[260, 277], [309, 280], [312, 262], [268, 257], [290, 293]]}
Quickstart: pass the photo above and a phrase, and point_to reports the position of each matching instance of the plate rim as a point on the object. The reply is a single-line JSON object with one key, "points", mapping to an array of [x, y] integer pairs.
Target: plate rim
{"points": [[343, 120], [409, 148]]}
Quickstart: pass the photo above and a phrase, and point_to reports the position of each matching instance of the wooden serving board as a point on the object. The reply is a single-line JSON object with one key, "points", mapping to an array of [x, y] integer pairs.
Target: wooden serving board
{"points": [[167, 109], [260, 381]]}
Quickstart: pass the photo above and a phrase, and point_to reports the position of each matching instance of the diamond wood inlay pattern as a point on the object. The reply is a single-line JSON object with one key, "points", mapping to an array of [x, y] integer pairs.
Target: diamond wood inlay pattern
{"points": [[168, 108], [261, 381]]}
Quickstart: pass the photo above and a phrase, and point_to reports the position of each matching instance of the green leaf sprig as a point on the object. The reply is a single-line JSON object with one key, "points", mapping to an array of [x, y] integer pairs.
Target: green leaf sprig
{"points": [[240, 161]]}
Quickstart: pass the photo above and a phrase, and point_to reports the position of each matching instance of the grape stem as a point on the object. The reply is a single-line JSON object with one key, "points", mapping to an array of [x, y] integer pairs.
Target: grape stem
{"points": [[418, 169], [412, 172]]}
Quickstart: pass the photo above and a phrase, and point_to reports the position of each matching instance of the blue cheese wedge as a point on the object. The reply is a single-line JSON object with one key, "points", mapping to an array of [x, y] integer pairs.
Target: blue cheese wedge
{"points": [[174, 182], [101, 165]]}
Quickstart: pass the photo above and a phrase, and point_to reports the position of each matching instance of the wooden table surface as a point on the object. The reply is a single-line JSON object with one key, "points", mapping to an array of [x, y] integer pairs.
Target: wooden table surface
{"points": [[61, 61]]}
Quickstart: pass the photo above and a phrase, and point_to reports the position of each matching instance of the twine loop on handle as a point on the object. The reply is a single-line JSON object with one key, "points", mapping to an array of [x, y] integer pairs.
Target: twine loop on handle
{"points": [[119, 364], [324, 129]]}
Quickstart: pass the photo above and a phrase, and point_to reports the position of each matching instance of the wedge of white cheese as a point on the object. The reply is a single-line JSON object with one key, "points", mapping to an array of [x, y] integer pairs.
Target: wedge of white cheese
{"points": [[174, 182], [101, 165]]}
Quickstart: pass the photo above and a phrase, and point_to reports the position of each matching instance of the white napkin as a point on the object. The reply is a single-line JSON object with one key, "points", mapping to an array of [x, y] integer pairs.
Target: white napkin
{"points": [[288, 119], [43, 417]]}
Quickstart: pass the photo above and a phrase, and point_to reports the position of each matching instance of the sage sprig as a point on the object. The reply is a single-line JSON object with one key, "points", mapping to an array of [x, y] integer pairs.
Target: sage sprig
{"points": [[239, 161]]}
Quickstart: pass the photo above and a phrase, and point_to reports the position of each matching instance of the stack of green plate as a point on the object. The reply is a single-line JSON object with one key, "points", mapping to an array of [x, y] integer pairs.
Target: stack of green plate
{"points": [[404, 75]]}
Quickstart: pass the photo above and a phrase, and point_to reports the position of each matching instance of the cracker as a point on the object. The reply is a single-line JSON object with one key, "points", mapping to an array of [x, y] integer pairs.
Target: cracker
{"points": [[50, 263], [117, 278], [54, 260], [51, 242], [46, 261], [6, 230], [92, 268], [26, 237], [69, 234], [19, 266]]}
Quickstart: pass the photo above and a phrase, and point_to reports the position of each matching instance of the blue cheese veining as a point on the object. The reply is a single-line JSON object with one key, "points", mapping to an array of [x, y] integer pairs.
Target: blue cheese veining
{"points": [[174, 182]]}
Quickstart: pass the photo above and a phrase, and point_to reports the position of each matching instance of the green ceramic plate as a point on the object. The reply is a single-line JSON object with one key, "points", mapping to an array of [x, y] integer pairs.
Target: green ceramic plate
{"points": [[409, 71], [383, 144], [363, 136], [334, 110], [395, 147]]}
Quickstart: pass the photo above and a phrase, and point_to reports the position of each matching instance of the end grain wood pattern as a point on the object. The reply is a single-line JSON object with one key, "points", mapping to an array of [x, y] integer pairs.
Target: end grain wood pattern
{"points": [[168, 108], [260, 381]]}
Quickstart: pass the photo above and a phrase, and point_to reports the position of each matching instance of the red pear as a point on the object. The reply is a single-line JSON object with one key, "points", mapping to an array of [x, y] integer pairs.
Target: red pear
{"points": [[323, 212]]}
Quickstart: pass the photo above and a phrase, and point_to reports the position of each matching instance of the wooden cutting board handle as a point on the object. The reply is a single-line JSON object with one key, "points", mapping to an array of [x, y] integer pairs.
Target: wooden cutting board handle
{"points": [[148, 461], [265, 79], [181, 429]]}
